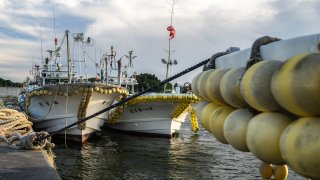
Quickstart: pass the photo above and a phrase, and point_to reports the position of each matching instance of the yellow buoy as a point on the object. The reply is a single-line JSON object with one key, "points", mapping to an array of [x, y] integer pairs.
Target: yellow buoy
{"points": [[216, 122], [266, 170], [300, 145], [280, 172], [296, 85], [206, 114], [255, 86], [263, 136], [212, 86], [97, 89], [235, 128], [230, 88], [194, 84], [198, 107], [202, 83]]}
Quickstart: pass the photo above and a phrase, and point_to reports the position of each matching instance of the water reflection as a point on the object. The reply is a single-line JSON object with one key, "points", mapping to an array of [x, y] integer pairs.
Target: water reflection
{"points": [[189, 156]]}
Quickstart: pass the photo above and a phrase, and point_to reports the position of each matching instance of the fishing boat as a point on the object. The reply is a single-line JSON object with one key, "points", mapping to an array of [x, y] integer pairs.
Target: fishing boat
{"points": [[153, 114], [58, 95], [157, 114]]}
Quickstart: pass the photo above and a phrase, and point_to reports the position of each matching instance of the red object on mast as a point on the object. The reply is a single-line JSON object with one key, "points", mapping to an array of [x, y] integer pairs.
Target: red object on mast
{"points": [[172, 31]]}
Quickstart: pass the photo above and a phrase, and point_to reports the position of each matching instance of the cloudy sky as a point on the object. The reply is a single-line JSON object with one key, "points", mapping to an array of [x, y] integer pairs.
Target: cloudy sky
{"points": [[202, 29]]}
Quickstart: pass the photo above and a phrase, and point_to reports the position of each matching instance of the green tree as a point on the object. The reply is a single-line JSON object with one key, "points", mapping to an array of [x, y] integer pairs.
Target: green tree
{"points": [[8, 83], [146, 80]]}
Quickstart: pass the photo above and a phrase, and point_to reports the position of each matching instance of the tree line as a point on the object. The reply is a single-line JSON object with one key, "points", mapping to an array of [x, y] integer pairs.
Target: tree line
{"points": [[8, 83], [146, 80]]}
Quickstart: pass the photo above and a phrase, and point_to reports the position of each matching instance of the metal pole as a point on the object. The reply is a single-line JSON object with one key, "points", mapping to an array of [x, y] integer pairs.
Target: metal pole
{"points": [[68, 54]]}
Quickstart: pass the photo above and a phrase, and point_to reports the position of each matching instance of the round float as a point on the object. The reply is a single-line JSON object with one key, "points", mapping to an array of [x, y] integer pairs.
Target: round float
{"points": [[235, 128], [266, 170], [296, 85], [300, 145], [202, 83], [255, 86], [198, 107], [206, 114], [263, 136], [280, 172], [230, 88], [212, 86], [194, 84], [216, 122]]}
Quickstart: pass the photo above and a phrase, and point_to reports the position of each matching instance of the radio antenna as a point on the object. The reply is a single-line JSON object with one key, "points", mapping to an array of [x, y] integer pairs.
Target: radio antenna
{"points": [[54, 29], [41, 45]]}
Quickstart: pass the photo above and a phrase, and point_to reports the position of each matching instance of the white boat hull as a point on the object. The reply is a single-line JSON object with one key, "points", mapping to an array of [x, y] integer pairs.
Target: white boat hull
{"points": [[51, 113], [151, 118]]}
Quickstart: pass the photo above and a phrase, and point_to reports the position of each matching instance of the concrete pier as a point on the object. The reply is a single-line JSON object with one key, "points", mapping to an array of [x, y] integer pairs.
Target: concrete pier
{"points": [[25, 164]]}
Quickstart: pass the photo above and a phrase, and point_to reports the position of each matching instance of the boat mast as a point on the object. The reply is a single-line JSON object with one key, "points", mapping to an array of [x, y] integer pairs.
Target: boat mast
{"points": [[68, 54], [169, 62], [169, 50]]}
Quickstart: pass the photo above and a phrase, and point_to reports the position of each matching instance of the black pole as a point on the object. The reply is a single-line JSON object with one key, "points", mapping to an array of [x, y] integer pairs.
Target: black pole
{"points": [[129, 98]]}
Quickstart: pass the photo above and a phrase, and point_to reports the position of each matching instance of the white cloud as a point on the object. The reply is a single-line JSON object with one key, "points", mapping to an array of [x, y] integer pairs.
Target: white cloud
{"points": [[203, 27]]}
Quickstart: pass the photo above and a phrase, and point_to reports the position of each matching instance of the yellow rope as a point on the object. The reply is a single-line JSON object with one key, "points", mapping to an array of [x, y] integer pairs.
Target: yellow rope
{"points": [[194, 121]]}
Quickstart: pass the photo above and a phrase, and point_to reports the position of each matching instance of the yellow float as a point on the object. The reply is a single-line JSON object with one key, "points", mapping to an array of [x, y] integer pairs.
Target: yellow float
{"points": [[266, 170], [212, 86], [216, 122], [255, 86], [206, 114], [202, 82], [235, 128], [300, 145], [198, 107], [280, 172], [296, 85], [194, 84], [263, 136], [230, 88]]}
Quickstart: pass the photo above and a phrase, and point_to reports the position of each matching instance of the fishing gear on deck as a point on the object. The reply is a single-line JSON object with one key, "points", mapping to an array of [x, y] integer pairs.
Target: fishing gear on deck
{"points": [[128, 99]]}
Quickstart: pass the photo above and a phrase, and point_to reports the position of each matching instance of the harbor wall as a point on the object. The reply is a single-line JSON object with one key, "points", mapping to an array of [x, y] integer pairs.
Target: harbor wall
{"points": [[9, 91]]}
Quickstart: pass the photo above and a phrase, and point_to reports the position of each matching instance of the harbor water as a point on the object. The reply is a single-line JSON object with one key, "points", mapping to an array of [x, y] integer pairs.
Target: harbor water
{"points": [[189, 156]]}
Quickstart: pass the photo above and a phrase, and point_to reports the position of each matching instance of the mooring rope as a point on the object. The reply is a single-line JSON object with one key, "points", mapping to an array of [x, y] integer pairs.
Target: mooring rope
{"points": [[15, 125], [128, 99]]}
